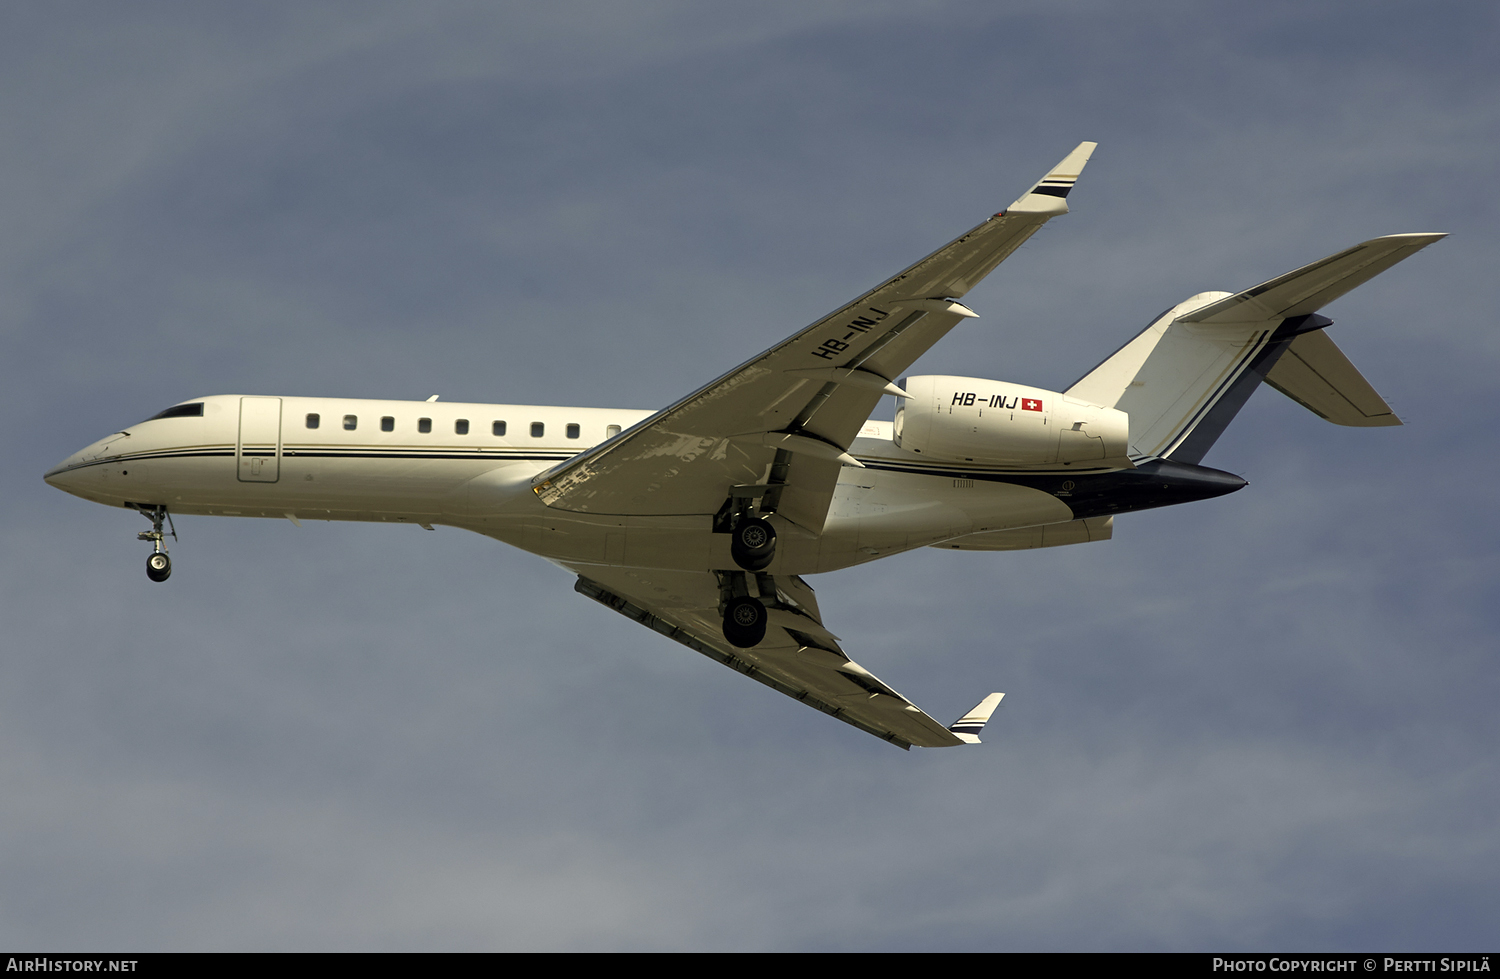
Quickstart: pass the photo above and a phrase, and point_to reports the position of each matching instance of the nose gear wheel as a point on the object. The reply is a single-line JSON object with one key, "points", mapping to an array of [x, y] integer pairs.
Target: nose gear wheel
{"points": [[159, 564]]}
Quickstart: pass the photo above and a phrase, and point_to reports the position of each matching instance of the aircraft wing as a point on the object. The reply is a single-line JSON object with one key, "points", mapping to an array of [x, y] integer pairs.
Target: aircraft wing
{"points": [[798, 657], [783, 420]]}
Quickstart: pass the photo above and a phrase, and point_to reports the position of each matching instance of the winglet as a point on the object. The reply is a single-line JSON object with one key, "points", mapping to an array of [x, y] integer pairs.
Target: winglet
{"points": [[967, 728], [1048, 193]]}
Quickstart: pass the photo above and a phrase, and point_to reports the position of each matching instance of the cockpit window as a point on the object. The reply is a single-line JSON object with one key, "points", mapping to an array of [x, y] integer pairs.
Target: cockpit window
{"points": [[194, 410]]}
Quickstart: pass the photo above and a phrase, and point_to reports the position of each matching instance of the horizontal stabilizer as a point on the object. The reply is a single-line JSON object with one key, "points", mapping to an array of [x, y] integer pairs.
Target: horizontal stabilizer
{"points": [[1310, 288], [967, 728], [1315, 373]]}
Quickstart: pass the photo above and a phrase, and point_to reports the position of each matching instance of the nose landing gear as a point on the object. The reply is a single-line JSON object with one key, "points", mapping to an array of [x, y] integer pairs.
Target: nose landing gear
{"points": [[159, 564]]}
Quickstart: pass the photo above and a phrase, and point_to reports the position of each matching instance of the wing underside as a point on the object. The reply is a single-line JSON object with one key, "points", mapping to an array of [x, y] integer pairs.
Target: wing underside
{"points": [[798, 657]]}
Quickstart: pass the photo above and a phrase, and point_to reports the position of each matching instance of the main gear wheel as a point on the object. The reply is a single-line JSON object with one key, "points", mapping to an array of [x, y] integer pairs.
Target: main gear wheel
{"points": [[752, 543], [744, 622]]}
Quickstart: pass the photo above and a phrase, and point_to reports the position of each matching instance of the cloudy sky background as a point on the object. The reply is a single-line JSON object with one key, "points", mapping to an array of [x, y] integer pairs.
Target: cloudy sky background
{"points": [[1261, 722]]}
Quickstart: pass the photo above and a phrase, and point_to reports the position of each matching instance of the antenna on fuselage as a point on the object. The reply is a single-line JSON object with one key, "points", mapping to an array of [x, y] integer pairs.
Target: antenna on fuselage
{"points": [[433, 398]]}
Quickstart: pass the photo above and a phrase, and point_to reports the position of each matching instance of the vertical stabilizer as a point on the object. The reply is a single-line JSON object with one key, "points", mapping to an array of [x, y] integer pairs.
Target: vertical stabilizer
{"points": [[1186, 376]]}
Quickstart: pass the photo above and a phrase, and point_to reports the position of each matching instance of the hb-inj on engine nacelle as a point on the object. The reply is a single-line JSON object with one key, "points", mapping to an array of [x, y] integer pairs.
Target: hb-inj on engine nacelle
{"points": [[971, 419]]}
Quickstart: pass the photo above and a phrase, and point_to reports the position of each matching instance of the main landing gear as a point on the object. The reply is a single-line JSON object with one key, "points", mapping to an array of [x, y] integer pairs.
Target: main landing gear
{"points": [[743, 598], [744, 621], [159, 564], [752, 543], [752, 538]]}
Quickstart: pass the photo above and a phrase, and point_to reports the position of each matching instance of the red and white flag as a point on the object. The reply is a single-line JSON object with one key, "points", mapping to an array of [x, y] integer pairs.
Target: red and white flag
{"points": [[1031, 404]]}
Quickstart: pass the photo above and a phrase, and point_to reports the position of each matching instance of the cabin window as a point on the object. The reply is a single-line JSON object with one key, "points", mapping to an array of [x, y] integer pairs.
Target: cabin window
{"points": [[573, 431], [610, 431], [387, 424], [498, 428], [424, 425], [461, 427], [351, 422], [312, 419], [538, 430]]}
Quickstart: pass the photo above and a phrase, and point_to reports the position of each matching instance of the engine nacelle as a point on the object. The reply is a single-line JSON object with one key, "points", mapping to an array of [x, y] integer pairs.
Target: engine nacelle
{"points": [[970, 419]]}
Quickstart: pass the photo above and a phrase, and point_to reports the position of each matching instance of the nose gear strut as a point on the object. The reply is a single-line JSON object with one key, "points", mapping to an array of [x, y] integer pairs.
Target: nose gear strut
{"points": [[159, 564]]}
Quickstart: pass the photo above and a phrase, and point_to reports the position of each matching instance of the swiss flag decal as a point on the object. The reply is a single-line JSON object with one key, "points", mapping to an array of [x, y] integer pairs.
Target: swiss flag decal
{"points": [[1031, 404]]}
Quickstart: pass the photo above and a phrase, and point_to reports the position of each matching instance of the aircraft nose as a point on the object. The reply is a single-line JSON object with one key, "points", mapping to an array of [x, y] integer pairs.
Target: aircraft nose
{"points": [[66, 474], [72, 473]]}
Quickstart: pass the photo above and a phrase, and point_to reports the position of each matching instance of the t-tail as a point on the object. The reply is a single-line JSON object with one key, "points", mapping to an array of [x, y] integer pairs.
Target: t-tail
{"points": [[1187, 375]]}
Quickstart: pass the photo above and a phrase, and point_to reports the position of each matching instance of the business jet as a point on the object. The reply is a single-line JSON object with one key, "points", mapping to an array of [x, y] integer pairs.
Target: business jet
{"points": [[700, 520]]}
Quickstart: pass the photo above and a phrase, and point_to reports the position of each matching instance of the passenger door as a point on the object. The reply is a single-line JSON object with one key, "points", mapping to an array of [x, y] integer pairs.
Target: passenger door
{"points": [[258, 451]]}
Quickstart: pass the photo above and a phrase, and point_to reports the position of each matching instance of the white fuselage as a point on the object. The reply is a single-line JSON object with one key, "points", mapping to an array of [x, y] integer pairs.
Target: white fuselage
{"points": [[449, 463]]}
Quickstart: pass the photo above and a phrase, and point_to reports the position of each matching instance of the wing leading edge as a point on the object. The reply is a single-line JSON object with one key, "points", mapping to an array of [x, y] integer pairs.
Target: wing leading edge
{"points": [[798, 657], [785, 417]]}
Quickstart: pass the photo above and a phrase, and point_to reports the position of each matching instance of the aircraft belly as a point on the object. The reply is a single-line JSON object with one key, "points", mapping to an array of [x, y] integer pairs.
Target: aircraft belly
{"points": [[682, 542], [876, 513], [679, 542]]}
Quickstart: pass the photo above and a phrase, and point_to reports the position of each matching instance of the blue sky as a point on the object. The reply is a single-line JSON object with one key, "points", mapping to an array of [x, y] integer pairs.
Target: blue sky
{"points": [[1259, 722]]}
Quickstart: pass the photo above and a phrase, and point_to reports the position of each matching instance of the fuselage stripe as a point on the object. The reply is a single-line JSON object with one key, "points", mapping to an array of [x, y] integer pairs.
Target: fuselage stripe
{"points": [[470, 454]]}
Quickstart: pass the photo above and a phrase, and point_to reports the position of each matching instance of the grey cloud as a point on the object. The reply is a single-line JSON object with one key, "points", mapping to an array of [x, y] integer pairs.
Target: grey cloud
{"points": [[1263, 721]]}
